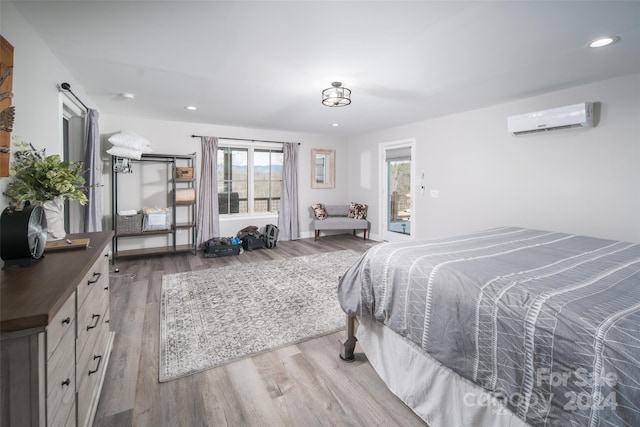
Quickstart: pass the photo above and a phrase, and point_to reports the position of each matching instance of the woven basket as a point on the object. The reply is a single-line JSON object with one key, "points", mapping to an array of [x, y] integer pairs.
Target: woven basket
{"points": [[129, 224], [185, 195], [184, 172]]}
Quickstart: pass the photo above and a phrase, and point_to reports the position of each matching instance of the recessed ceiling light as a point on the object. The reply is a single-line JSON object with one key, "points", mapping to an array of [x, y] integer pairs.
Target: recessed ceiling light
{"points": [[127, 95], [190, 107], [335, 125], [604, 41]]}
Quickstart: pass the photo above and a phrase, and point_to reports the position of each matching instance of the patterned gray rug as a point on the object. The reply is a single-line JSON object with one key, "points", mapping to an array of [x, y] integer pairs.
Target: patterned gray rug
{"points": [[215, 316]]}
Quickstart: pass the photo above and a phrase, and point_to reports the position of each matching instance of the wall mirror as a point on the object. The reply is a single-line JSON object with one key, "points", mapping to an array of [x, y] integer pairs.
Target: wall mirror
{"points": [[322, 168]]}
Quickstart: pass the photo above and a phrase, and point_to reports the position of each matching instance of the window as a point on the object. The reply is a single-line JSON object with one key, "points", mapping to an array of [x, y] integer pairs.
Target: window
{"points": [[249, 179], [267, 180]]}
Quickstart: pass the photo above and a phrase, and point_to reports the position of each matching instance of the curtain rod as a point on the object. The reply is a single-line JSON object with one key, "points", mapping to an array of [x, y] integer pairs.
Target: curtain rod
{"points": [[244, 139], [67, 88]]}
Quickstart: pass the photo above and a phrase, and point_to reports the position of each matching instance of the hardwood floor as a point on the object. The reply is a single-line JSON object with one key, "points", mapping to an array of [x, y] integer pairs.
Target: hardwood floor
{"points": [[303, 385]]}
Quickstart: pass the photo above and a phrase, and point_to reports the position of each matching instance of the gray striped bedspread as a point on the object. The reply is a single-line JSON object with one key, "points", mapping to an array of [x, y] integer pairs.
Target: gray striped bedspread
{"points": [[549, 323]]}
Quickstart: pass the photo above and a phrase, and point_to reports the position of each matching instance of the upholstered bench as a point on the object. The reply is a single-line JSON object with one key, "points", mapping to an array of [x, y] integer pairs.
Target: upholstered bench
{"points": [[337, 218]]}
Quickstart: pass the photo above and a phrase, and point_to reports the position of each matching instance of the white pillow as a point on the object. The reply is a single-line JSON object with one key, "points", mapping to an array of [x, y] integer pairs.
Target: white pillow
{"points": [[130, 140], [124, 152]]}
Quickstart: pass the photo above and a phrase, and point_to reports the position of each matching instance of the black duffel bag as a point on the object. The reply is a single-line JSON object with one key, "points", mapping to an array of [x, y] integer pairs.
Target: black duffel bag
{"points": [[252, 242], [251, 238]]}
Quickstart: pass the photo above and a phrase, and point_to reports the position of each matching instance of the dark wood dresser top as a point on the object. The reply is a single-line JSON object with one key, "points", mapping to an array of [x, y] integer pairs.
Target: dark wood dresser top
{"points": [[31, 296]]}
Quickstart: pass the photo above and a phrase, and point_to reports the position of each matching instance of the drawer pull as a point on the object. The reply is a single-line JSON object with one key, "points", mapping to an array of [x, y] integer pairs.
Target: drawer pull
{"points": [[66, 382], [106, 288], [97, 366], [67, 320], [97, 318], [96, 277]]}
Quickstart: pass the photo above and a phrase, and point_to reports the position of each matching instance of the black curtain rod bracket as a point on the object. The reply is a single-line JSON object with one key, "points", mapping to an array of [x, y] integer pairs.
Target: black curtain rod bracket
{"points": [[66, 87], [245, 139]]}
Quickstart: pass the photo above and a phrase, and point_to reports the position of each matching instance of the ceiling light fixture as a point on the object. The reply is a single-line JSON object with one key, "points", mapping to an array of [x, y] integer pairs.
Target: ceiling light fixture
{"points": [[336, 96], [191, 107], [604, 41], [127, 95], [335, 125]]}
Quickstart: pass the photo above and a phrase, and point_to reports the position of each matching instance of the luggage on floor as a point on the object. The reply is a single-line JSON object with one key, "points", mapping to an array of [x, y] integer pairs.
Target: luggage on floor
{"points": [[251, 238], [271, 236], [222, 246], [250, 230], [252, 242]]}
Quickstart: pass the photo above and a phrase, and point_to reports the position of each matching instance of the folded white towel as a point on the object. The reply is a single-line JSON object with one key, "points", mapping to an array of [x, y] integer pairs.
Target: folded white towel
{"points": [[124, 152], [127, 213]]}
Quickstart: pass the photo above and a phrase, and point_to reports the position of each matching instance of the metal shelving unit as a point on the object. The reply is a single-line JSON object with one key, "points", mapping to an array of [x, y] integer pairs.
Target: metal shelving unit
{"points": [[188, 209]]}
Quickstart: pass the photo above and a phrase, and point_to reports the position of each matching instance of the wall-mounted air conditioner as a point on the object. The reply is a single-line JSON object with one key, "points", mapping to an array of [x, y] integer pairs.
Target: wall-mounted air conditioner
{"points": [[570, 116]]}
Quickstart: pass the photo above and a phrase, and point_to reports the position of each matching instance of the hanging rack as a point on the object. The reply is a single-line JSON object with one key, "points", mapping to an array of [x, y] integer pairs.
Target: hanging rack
{"points": [[66, 87], [245, 139]]}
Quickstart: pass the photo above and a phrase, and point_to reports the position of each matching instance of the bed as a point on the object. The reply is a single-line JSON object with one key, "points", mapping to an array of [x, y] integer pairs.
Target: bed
{"points": [[508, 326]]}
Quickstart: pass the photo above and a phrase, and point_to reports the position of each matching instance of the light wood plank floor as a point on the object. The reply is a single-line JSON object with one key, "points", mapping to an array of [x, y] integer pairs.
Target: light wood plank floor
{"points": [[300, 385]]}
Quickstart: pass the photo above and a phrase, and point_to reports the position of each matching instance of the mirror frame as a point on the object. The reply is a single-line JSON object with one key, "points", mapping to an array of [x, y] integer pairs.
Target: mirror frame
{"points": [[329, 155]]}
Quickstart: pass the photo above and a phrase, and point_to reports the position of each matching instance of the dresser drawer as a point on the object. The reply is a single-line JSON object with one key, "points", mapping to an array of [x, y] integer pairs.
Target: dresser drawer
{"points": [[66, 415], [86, 396], [97, 277], [61, 379], [85, 361], [62, 322], [95, 345], [91, 365], [91, 316]]}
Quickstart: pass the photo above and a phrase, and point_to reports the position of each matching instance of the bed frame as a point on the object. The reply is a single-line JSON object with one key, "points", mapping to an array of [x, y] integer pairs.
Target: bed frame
{"points": [[580, 273], [348, 347]]}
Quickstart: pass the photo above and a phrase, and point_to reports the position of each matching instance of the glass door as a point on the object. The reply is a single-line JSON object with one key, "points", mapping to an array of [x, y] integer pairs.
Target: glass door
{"points": [[398, 200]]}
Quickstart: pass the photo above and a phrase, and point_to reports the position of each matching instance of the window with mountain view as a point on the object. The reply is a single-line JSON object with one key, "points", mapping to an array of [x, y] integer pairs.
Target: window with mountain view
{"points": [[249, 180]]}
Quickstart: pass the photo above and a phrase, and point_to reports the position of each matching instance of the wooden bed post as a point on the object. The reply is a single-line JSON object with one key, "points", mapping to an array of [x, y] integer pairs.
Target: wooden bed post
{"points": [[348, 347]]}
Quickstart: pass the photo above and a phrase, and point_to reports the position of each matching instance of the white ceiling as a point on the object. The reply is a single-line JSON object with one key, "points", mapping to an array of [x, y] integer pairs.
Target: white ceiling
{"points": [[264, 64]]}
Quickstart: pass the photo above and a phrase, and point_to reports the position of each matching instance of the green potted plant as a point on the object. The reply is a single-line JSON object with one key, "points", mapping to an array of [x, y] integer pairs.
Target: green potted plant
{"points": [[47, 180]]}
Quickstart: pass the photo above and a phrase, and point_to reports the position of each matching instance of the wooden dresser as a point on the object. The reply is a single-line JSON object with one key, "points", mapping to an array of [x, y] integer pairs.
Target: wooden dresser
{"points": [[55, 339]]}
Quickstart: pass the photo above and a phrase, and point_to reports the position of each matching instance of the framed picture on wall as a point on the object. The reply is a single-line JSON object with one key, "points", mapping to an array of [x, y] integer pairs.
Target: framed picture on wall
{"points": [[6, 109]]}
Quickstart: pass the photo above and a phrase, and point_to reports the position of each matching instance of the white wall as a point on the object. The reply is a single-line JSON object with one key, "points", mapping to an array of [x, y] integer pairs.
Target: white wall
{"points": [[175, 138], [584, 181], [36, 74]]}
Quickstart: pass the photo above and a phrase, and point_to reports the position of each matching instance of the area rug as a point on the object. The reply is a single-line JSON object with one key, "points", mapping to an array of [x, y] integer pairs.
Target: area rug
{"points": [[216, 316]]}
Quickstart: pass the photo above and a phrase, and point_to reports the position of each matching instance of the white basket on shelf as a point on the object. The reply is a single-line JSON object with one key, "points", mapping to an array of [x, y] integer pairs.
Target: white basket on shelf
{"points": [[156, 219]]}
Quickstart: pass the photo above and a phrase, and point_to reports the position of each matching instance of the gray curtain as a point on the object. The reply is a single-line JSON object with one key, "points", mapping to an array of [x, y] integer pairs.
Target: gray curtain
{"points": [[93, 174], [288, 216], [208, 217]]}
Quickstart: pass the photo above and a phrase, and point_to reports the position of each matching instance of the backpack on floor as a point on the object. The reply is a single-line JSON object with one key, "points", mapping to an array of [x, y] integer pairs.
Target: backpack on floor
{"points": [[271, 236]]}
